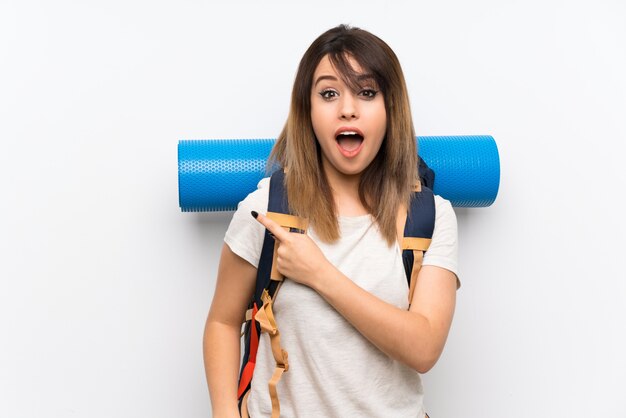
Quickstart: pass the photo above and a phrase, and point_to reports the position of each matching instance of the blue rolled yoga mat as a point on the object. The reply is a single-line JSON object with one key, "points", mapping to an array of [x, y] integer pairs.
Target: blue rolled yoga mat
{"points": [[215, 175]]}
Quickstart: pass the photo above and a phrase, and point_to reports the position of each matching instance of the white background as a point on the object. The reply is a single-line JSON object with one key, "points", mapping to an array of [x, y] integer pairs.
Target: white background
{"points": [[105, 284]]}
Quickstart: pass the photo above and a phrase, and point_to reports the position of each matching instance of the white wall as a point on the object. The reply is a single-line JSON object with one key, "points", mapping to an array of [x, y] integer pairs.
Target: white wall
{"points": [[105, 284]]}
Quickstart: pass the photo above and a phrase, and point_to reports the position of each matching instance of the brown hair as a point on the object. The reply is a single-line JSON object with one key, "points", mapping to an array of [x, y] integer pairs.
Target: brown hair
{"points": [[387, 182]]}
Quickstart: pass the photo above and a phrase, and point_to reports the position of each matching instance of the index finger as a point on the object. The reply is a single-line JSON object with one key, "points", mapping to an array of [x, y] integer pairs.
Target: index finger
{"points": [[275, 229]]}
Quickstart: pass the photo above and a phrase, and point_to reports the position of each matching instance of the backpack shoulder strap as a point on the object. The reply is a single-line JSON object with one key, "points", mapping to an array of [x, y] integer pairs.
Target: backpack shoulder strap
{"points": [[260, 315], [277, 204], [418, 232]]}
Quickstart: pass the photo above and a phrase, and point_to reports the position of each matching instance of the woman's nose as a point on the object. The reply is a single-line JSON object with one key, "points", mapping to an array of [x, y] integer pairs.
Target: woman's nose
{"points": [[348, 109]]}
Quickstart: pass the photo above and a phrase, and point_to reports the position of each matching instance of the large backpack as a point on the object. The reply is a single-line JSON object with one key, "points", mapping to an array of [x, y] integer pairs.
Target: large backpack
{"points": [[418, 231]]}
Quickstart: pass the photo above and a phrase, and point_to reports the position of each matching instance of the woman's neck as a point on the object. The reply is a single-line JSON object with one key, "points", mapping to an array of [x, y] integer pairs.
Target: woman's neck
{"points": [[345, 189]]}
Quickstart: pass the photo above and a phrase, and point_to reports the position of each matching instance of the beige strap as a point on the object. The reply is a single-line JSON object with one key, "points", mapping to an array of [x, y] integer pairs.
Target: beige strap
{"points": [[248, 318], [265, 317], [412, 243], [418, 257], [417, 187], [248, 315], [275, 274], [289, 221], [278, 373]]}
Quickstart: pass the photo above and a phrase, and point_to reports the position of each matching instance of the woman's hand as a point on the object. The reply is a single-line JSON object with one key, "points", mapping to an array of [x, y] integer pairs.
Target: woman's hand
{"points": [[298, 257]]}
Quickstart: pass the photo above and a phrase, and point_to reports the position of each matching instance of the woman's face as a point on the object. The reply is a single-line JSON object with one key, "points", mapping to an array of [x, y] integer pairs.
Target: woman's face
{"points": [[349, 125]]}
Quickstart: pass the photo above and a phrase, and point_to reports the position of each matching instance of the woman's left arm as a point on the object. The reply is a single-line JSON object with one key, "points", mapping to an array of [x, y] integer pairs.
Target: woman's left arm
{"points": [[415, 337]]}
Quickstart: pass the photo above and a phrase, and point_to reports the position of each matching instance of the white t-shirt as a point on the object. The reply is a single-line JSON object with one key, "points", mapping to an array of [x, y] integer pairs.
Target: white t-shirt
{"points": [[333, 370]]}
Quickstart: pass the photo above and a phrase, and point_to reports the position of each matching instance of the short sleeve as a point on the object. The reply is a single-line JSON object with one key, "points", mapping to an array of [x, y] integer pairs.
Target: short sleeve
{"points": [[245, 235], [443, 250]]}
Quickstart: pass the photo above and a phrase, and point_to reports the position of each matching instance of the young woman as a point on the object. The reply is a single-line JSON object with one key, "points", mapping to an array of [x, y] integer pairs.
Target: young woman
{"points": [[356, 345]]}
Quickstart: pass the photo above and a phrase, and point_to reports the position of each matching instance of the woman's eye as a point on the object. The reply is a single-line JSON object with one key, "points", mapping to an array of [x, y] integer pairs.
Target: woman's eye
{"points": [[369, 93], [328, 94]]}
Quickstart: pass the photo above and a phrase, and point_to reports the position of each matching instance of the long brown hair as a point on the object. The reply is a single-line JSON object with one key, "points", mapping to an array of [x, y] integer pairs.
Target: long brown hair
{"points": [[387, 182]]}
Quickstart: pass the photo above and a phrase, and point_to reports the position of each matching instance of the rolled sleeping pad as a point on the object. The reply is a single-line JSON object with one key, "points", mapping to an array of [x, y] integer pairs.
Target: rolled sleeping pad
{"points": [[215, 175]]}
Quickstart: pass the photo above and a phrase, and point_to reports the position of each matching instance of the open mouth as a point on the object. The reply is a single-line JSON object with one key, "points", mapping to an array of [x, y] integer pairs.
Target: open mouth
{"points": [[349, 141]]}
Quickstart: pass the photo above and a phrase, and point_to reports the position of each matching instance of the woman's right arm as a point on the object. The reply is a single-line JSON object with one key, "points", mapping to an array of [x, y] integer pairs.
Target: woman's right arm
{"points": [[235, 285]]}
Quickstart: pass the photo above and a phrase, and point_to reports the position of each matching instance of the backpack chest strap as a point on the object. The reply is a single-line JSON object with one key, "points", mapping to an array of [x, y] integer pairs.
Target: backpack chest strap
{"points": [[412, 243], [289, 221]]}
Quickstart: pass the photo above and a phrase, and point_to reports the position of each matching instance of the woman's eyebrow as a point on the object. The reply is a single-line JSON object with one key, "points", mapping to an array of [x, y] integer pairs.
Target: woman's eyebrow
{"points": [[363, 78], [325, 77], [366, 78]]}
